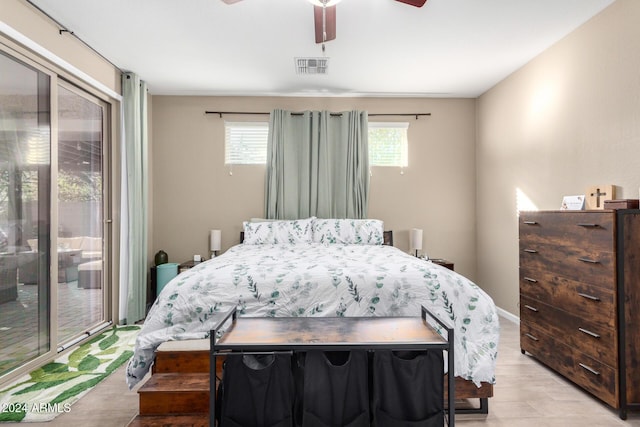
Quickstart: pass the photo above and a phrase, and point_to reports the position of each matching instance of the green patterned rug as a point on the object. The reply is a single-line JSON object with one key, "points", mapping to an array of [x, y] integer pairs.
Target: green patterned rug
{"points": [[51, 390]]}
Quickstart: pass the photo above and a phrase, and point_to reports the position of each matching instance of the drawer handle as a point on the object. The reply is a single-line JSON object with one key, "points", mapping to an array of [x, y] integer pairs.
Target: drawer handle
{"points": [[583, 224], [587, 296], [531, 308], [589, 368], [531, 251], [531, 222], [590, 261], [588, 332], [529, 279], [532, 337]]}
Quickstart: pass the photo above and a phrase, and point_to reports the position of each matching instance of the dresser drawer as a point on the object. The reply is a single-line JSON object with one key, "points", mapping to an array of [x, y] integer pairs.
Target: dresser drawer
{"points": [[572, 262], [593, 376], [574, 297], [595, 340], [593, 230]]}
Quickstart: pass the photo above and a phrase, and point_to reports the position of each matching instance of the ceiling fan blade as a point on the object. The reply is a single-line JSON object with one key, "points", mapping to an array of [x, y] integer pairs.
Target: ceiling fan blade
{"points": [[416, 3], [230, 1], [329, 26]]}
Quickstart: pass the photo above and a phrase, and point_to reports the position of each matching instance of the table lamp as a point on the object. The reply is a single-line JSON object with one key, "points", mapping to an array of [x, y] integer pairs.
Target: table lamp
{"points": [[215, 239], [415, 240]]}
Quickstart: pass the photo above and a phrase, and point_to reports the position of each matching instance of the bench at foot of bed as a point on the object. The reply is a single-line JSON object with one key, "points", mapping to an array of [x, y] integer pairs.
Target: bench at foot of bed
{"points": [[190, 359]]}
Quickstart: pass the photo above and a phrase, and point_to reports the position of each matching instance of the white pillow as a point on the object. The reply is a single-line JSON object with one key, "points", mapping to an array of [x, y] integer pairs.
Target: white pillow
{"points": [[348, 231], [277, 232]]}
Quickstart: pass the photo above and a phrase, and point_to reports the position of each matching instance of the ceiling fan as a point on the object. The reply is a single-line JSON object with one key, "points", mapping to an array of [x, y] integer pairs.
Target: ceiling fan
{"points": [[324, 14]]}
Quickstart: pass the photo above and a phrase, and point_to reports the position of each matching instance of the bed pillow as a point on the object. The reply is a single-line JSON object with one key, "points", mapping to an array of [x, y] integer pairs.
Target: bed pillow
{"points": [[277, 232], [348, 231]]}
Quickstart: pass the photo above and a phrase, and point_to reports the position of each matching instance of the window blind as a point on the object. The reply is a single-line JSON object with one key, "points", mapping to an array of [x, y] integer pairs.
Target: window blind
{"points": [[388, 144], [246, 143]]}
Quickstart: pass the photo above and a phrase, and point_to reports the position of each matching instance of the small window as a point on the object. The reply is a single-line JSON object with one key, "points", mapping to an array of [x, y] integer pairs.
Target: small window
{"points": [[246, 143], [388, 144]]}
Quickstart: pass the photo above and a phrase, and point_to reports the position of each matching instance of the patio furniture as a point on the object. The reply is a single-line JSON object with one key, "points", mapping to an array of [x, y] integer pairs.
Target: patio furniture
{"points": [[8, 278], [90, 275]]}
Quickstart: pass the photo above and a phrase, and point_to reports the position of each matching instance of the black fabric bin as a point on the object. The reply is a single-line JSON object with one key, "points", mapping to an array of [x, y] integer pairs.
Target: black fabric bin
{"points": [[381, 388], [408, 389], [256, 391], [334, 390]]}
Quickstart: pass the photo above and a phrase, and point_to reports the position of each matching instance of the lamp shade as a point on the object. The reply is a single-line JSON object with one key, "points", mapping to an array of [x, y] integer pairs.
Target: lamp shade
{"points": [[215, 239], [415, 239]]}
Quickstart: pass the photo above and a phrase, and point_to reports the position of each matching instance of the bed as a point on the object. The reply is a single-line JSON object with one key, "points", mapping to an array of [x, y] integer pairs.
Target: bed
{"points": [[321, 267]]}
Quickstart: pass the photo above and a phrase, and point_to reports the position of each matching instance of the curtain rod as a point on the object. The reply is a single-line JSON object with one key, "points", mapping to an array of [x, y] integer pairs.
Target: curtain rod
{"points": [[220, 113], [64, 30]]}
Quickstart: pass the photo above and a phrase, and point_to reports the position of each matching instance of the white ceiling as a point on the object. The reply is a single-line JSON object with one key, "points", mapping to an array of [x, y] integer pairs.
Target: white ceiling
{"points": [[448, 48]]}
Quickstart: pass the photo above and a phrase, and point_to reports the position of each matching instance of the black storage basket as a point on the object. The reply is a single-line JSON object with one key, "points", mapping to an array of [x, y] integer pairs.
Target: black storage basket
{"points": [[256, 391], [335, 390], [408, 389]]}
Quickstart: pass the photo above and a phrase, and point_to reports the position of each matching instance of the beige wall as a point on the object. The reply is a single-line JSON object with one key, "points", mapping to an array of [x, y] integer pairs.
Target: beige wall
{"points": [[567, 120], [194, 192], [27, 20]]}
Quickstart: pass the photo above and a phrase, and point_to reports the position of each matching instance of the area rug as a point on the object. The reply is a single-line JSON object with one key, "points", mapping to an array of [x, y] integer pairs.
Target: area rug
{"points": [[50, 390]]}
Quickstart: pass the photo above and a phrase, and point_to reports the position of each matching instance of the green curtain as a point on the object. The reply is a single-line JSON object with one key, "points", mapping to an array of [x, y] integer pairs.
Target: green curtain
{"points": [[134, 196], [317, 165]]}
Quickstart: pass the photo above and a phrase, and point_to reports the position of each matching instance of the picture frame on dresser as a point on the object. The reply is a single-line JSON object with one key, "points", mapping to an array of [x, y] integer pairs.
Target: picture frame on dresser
{"points": [[572, 203], [580, 299]]}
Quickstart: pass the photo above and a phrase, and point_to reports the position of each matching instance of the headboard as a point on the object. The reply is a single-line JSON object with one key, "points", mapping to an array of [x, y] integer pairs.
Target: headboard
{"points": [[387, 237]]}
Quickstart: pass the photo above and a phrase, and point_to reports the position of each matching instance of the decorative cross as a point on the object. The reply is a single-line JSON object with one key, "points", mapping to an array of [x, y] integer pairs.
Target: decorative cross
{"points": [[598, 194]]}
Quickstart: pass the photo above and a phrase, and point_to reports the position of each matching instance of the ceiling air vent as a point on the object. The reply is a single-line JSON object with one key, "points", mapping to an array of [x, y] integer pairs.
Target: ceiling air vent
{"points": [[312, 65]]}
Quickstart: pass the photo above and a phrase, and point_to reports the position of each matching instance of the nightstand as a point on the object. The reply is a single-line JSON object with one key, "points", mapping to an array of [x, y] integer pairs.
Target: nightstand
{"points": [[187, 265], [442, 262], [152, 284]]}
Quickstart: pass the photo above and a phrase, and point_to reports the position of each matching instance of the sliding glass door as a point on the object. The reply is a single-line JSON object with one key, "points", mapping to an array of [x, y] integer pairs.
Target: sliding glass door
{"points": [[81, 294], [54, 186], [25, 206]]}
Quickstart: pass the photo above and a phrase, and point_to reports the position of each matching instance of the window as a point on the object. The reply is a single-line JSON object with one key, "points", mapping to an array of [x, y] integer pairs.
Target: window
{"points": [[388, 144], [246, 143]]}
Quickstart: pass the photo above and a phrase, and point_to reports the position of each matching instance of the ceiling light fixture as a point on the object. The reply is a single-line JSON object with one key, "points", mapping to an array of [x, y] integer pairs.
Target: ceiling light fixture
{"points": [[324, 4]]}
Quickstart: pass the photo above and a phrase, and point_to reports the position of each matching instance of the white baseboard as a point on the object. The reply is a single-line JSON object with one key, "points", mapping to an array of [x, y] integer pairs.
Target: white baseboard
{"points": [[509, 316]]}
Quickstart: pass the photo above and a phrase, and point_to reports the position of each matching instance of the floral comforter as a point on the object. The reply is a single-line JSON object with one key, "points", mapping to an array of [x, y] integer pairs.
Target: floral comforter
{"points": [[322, 280]]}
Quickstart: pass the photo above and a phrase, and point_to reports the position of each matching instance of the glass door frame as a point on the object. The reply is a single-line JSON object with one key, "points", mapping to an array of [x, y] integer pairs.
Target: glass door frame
{"points": [[106, 214], [111, 122]]}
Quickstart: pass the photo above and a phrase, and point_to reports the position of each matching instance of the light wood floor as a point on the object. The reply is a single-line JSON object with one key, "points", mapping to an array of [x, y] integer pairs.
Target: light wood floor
{"points": [[526, 395]]}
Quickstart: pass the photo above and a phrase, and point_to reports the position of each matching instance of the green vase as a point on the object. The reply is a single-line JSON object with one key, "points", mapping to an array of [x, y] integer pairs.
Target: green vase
{"points": [[161, 257]]}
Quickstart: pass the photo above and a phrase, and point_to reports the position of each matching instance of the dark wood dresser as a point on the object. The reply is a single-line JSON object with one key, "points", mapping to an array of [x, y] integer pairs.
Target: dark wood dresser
{"points": [[580, 299]]}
